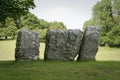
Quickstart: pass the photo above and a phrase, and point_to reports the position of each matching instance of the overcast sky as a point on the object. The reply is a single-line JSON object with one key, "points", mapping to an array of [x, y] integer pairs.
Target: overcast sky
{"points": [[73, 13]]}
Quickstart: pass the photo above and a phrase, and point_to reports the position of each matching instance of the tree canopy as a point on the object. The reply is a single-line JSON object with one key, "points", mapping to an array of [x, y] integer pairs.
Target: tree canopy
{"points": [[106, 13], [15, 15], [31, 22], [14, 8]]}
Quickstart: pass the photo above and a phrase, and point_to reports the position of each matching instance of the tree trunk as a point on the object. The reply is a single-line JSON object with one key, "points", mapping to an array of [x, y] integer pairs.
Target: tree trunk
{"points": [[6, 37]]}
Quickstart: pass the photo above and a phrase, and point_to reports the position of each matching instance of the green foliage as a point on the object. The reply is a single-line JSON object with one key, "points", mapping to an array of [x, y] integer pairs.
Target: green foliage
{"points": [[115, 35], [9, 29], [10, 13], [28, 21], [106, 14], [88, 23], [15, 16], [43, 24], [43, 34], [31, 22], [57, 25], [14, 8]]}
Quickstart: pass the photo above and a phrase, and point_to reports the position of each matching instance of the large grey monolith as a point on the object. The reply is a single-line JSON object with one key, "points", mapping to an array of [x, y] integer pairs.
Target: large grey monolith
{"points": [[90, 42], [62, 44], [27, 46]]}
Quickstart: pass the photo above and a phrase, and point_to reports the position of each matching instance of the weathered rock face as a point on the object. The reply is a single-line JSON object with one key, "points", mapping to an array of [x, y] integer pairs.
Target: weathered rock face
{"points": [[62, 44], [90, 42], [27, 46]]}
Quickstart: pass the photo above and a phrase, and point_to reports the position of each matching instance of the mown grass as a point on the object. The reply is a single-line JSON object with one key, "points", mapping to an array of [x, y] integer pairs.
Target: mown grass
{"points": [[59, 70], [7, 49], [108, 54]]}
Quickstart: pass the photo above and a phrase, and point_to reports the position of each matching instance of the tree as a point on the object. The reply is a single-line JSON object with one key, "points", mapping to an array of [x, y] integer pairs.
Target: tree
{"points": [[10, 13], [30, 21], [56, 25], [43, 24], [9, 29], [14, 8], [106, 14], [88, 23]]}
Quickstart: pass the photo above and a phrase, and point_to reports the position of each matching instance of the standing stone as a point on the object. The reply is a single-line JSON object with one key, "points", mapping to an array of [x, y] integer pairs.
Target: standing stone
{"points": [[90, 42], [27, 46], [62, 44]]}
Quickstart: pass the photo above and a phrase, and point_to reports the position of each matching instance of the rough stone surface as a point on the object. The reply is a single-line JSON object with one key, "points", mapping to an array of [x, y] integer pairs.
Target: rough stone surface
{"points": [[27, 46], [90, 42], [62, 44]]}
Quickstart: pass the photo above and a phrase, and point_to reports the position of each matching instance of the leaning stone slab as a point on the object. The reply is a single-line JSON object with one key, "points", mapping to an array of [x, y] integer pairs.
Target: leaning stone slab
{"points": [[62, 44], [27, 46], [90, 42]]}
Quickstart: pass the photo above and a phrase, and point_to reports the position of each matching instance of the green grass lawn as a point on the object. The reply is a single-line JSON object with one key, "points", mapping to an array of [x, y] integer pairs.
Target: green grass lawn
{"points": [[7, 49], [59, 70], [107, 69], [108, 54]]}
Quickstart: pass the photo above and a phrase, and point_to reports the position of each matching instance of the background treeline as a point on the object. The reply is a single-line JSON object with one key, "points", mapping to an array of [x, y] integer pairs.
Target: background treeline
{"points": [[29, 21], [106, 13], [15, 15]]}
